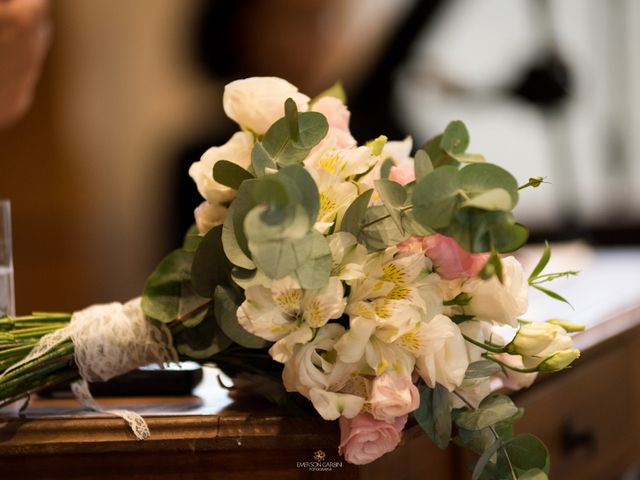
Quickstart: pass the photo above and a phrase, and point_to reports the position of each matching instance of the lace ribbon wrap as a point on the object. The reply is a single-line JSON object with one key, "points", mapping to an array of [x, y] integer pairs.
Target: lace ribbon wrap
{"points": [[110, 340]]}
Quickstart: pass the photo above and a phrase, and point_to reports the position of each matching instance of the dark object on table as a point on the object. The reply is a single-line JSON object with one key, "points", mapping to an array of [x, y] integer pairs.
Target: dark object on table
{"points": [[148, 381]]}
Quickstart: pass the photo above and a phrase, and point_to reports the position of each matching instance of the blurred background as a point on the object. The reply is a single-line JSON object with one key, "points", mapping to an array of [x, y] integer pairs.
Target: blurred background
{"points": [[130, 96]]}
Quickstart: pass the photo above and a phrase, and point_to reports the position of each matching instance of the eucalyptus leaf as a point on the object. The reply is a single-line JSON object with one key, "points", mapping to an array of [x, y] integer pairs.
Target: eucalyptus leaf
{"points": [[191, 239], [210, 266], [226, 306], [439, 157], [230, 244], [455, 138], [310, 197], [475, 440], [281, 257], [436, 197], [354, 215], [263, 224], [393, 196], [385, 167], [379, 230], [469, 158], [478, 178], [434, 414], [422, 164], [261, 159], [230, 174], [494, 199], [291, 116], [493, 409], [238, 210], [527, 452], [481, 369], [278, 148], [245, 278], [478, 230], [201, 341], [166, 293], [412, 227], [314, 273], [485, 458]]}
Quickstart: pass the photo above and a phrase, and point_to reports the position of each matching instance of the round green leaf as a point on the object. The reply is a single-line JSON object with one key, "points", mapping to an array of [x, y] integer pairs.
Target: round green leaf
{"points": [[226, 307], [478, 178], [493, 409], [230, 174], [436, 197], [167, 293], [210, 266], [310, 197], [201, 341], [455, 138], [527, 452], [230, 244]]}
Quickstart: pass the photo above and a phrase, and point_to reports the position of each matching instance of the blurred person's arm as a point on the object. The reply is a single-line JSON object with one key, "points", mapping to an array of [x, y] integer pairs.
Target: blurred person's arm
{"points": [[24, 38]]}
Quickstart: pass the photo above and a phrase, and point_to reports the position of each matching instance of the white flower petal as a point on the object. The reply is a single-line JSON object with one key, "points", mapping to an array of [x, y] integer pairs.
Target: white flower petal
{"points": [[351, 346], [331, 405]]}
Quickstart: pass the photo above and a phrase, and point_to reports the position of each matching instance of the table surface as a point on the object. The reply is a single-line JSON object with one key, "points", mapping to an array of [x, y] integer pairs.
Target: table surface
{"points": [[605, 297]]}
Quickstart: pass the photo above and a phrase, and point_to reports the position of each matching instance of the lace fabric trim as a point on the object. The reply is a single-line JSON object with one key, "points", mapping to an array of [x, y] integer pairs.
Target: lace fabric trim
{"points": [[110, 340]]}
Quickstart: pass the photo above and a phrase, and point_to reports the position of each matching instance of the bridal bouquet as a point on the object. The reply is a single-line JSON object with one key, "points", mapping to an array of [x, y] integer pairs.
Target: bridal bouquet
{"points": [[374, 283]]}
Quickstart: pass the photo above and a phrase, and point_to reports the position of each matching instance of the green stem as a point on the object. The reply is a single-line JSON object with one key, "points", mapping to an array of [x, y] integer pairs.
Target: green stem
{"points": [[495, 435], [384, 217], [62, 350], [510, 367], [489, 348], [17, 387]]}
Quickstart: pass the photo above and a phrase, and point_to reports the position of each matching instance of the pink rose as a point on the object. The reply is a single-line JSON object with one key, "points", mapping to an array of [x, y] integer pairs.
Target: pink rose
{"points": [[450, 259], [511, 379], [393, 396], [337, 116], [403, 174], [363, 439]]}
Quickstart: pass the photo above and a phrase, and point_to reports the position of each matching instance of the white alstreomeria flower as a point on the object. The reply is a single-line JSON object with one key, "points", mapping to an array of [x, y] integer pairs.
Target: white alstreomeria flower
{"points": [[348, 256], [336, 196], [394, 298], [286, 314]]}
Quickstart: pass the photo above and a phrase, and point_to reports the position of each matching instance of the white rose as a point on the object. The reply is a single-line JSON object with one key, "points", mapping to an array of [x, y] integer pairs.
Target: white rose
{"points": [[308, 368], [443, 357], [493, 301], [236, 150], [209, 215], [256, 103]]}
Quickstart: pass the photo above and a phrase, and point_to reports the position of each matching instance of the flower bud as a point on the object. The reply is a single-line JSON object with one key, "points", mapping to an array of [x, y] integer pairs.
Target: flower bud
{"points": [[568, 326], [559, 360], [533, 338]]}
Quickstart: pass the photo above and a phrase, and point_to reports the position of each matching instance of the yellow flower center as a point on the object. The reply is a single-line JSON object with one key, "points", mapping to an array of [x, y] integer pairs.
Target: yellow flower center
{"points": [[289, 301]]}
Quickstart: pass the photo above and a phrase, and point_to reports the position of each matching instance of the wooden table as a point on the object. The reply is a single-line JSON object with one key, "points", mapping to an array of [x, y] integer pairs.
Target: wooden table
{"points": [[213, 434]]}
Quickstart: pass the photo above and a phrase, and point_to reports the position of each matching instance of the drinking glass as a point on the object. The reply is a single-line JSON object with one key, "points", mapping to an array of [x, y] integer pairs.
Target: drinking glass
{"points": [[7, 295]]}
